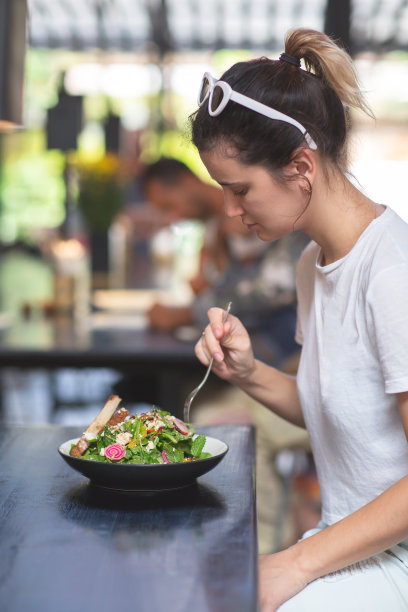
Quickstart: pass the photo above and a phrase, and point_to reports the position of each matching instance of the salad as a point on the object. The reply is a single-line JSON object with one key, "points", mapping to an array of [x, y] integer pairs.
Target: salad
{"points": [[152, 437]]}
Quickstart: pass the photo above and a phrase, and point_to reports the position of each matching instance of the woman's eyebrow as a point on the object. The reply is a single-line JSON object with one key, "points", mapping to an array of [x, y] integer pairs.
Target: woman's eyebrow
{"points": [[230, 184]]}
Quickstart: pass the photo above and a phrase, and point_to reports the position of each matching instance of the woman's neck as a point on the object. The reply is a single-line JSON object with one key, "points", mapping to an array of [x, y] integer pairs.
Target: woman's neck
{"points": [[338, 214]]}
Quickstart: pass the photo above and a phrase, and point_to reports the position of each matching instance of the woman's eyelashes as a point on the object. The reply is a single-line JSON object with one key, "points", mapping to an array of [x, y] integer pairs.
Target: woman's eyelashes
{"points": [[240, 192]]}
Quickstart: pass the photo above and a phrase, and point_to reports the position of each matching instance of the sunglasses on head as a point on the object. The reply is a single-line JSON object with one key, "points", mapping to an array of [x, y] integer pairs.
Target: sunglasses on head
{"points": [[219, 93]]}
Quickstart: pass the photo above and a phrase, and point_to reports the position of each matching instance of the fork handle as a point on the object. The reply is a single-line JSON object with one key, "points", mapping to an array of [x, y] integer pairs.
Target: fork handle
{"points": [[197, 389]]}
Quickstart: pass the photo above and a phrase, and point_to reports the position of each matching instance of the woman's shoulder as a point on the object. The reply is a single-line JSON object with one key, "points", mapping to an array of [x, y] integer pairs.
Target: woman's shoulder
{"points": [[391, 244], [398, 231], [383, 267]]}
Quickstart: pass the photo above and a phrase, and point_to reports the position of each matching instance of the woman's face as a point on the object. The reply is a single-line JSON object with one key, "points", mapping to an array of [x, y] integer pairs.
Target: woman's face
{"points": [[266, 206]]}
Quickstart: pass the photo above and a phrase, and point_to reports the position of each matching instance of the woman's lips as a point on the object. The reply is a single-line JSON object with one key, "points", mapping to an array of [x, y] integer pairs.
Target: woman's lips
{"points": [[250, 226]]}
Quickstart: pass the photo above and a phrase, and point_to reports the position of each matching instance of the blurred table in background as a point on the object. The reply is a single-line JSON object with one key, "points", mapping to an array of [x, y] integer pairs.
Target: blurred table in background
{"points": [[138, 353], [105, 329]]}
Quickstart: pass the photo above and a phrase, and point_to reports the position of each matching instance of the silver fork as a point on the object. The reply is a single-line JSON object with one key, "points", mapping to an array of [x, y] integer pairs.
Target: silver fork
{"points": [[191, 396]]}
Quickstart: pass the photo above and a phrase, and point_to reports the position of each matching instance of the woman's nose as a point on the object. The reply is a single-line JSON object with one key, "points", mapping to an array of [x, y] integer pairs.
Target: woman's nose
{"points": [[231, 206]]}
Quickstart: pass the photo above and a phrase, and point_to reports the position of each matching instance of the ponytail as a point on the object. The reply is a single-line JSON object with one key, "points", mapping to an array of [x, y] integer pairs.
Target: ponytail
{"points": [[322, 56]]}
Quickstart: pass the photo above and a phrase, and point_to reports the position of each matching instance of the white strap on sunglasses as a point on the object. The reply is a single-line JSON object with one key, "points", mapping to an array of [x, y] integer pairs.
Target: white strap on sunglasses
{"points": [[216, 105]]}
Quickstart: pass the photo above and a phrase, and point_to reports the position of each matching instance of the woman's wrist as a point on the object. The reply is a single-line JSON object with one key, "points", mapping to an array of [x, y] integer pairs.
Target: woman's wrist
{"points": [[246, 379], [254, 377], [303, 566], [303, 562]]}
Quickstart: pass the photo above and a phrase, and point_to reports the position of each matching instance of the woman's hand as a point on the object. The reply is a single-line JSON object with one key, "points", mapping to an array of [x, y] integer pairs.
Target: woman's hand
{"points": [[229, 344], [279, 580]]}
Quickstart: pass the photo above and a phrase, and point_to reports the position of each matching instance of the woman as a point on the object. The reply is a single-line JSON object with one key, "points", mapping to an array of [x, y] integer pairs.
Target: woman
{"points": [[284, 172]]}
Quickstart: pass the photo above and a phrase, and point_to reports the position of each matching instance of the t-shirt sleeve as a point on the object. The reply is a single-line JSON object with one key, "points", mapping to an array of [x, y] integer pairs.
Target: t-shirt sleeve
{"points": [[387, 301]]}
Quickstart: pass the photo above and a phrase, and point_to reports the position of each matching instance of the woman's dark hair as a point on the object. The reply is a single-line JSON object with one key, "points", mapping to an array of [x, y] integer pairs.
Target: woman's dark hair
{"points": [[317, 97]]}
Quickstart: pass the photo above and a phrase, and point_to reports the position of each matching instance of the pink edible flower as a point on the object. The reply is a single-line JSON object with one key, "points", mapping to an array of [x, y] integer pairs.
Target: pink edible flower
{"points": [[115, 452]]}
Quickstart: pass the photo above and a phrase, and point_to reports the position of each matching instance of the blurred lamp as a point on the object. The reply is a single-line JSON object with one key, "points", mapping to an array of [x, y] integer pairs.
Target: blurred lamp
{"points": [[64, 122], [13, 14], [112, 133]]}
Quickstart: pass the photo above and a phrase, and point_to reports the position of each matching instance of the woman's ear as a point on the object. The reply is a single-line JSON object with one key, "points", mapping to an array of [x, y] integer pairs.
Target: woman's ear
{"points": [[303, 162]]}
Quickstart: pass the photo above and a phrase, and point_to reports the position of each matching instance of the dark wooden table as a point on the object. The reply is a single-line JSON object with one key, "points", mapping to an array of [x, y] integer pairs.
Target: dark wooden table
{"points": [[157, 359], [67, 545]]}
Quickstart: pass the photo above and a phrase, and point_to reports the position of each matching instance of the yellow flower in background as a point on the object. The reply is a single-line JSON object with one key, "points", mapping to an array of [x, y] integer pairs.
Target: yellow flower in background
{"points": [[101, 188]]}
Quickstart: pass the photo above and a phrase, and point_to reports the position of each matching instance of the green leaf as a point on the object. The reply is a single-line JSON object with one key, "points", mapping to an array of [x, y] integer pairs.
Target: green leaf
{"points": [[178, 455], [197, 445], [170, 436], [174, 455], [185, 445], [163, 412], [92, 454], [127, 426], [136, 459], [205, 455], [107, 437]]}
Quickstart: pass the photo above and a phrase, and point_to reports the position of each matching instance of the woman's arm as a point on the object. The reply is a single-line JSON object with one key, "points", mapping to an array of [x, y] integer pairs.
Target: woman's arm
{"points": [[275, 390], [167, 318], [234, 361], [373, 528]]}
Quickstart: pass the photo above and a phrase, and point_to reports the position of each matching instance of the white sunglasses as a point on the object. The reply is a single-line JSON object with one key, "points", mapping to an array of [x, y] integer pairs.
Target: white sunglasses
{"points": [[219, 93]]}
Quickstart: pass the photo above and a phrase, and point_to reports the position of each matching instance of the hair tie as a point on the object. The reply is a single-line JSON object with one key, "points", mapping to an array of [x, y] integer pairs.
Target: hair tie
{"points": [[285, 57]]}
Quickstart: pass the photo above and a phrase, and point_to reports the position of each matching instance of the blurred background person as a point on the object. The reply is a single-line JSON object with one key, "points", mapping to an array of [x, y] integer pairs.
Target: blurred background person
{"points": [[235, 265], [178, 194]]}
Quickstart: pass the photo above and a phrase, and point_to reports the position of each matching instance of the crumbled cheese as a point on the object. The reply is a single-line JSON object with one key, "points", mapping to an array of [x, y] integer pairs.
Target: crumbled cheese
{"points": [[150, 445], [124, 438], [102, 452], [88, 435], [154, 423]]}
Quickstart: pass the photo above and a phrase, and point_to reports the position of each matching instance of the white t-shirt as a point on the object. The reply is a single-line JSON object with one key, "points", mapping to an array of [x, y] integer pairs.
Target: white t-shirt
{"points": [[353, 325]]}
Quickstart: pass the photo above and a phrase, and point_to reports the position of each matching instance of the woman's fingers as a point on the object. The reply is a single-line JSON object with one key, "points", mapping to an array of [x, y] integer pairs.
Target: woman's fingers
{"points": [[216, 317], [219, 334], [227, 343], [202, 352], [210, 345]]}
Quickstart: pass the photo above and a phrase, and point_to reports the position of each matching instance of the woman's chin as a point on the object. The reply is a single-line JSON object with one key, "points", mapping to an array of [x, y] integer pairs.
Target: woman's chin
{"points": [[267, 236], [261, 232]]}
